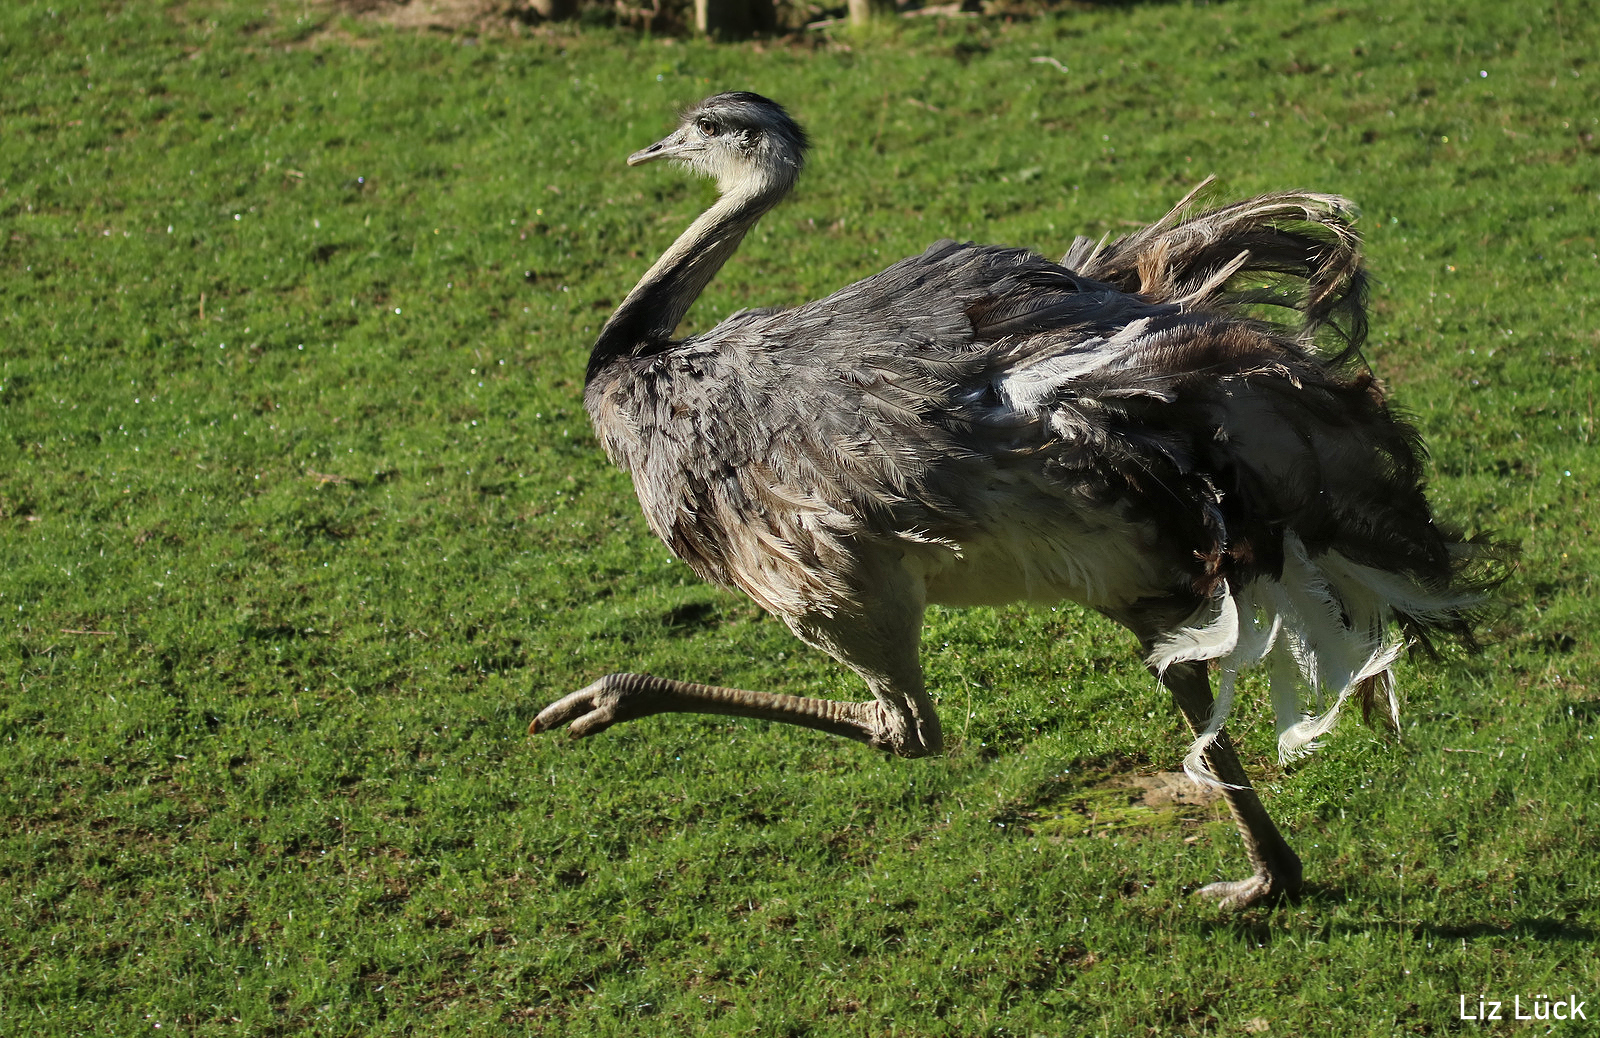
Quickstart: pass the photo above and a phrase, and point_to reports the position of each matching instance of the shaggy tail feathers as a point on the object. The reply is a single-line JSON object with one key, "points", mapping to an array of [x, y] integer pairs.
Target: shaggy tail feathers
{"points": [[1324, 622], [1287, 251]]}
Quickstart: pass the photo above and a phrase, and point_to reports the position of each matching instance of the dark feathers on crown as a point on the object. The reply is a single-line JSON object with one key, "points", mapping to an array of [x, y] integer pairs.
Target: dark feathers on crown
{"points": [[742, 110]]}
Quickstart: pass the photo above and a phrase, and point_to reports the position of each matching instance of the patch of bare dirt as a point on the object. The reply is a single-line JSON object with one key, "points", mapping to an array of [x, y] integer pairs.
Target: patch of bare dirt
{"points": [[1106, 801], [1173, 789]]}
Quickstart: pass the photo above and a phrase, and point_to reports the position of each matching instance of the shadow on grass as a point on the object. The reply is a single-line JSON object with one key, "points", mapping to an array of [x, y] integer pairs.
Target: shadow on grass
{"points": [[1256, 924], [1542, 929]]}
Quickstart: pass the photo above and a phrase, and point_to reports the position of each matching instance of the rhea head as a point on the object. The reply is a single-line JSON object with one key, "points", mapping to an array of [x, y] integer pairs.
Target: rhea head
{"points": [[744, 141]]}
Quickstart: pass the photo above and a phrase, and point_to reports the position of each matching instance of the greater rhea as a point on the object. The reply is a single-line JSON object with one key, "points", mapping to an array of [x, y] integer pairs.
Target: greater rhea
{"points": [[1127, 429]]}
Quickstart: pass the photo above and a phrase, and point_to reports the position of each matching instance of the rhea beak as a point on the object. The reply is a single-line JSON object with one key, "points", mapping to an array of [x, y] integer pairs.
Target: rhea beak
{"points": [[670, 147]]}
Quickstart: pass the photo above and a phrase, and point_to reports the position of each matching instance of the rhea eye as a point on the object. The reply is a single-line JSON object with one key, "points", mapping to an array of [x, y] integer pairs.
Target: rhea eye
{"points": [[707, 127]]}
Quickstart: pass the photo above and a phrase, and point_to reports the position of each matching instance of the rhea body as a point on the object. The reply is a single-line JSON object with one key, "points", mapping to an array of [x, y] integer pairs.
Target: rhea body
{"points": [[980, 425]]}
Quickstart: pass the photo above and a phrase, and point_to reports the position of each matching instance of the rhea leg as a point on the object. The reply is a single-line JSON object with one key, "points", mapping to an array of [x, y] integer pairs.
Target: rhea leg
{"points": [[888, 725], [879, 642], [1277, 867]]}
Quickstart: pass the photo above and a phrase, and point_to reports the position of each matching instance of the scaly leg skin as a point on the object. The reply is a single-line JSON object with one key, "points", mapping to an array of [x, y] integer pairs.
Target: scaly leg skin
{"points": [[623, 697], [1278, 871]]}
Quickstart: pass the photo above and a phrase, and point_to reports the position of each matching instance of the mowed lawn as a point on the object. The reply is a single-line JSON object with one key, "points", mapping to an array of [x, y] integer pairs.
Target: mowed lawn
{"points": [[301, 521]]}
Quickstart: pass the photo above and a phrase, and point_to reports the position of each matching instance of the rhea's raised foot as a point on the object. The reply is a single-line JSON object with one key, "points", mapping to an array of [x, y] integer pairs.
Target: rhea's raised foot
{"points": [[598, 706]]}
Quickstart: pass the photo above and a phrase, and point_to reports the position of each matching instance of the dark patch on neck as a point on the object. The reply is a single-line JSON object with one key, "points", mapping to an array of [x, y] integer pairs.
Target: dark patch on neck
{"points": [[629, 332]]}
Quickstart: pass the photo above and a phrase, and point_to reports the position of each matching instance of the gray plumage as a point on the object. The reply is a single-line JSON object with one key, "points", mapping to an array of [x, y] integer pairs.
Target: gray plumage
{"points": [[1131, 429]]}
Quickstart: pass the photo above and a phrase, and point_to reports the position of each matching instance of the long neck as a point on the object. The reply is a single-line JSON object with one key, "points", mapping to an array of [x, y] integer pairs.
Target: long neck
{"points": [[661, 298]]}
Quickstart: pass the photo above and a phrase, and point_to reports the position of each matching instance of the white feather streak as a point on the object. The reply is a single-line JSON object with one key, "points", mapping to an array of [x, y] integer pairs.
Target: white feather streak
{"points": [[1201, 639], [1033, 387]]}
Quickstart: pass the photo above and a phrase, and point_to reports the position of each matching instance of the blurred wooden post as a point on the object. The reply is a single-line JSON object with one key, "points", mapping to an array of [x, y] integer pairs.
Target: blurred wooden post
{"points": [[554, 10], [864, 11], [734, 19]]}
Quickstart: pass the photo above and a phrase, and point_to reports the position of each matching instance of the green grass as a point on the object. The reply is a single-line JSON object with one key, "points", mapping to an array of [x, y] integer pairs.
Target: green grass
{"points": [[283, 584]]}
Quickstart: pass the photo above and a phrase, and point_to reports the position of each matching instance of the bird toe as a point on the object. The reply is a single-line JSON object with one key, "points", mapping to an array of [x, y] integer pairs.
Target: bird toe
{"points": [[1233, 895], [571, 709]]}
